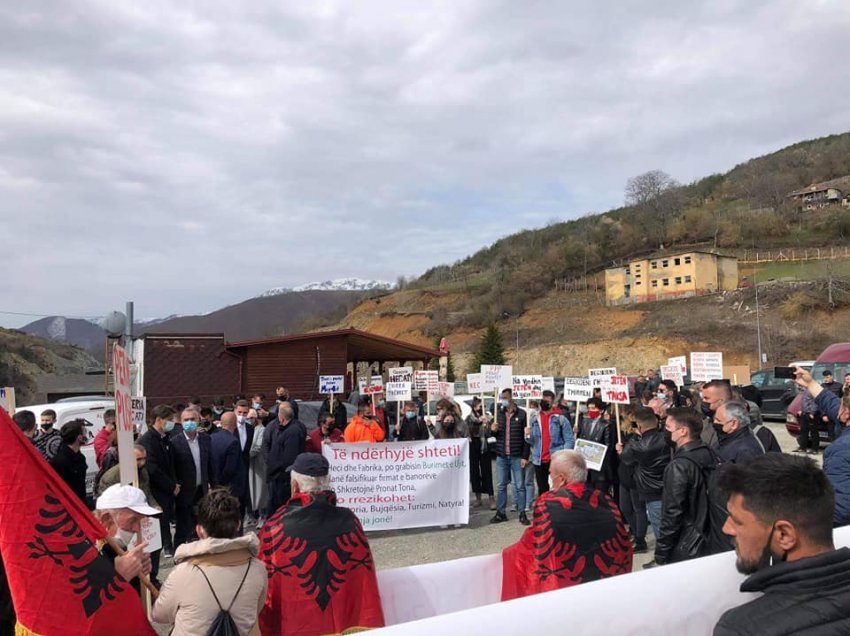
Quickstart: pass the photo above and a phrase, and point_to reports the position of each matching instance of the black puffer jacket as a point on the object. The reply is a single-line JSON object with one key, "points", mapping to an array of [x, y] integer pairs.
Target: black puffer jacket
{"points": [[650, 455], [809, 596], [685, 512], [518, 447]]}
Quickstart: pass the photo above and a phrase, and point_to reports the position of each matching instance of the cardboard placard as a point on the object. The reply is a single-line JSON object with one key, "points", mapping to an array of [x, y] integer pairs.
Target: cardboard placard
{"points": [[599, 376], [737, 374], [706, 366], [401, 374], [616, 390], [527, 387], [473, 383], [495, 377], [138, 405], [127, 471], [578, 388], [331, 384], [673, 372], [7, 399], [680, 361], [548, 383], [399, 391], [593, 453]]}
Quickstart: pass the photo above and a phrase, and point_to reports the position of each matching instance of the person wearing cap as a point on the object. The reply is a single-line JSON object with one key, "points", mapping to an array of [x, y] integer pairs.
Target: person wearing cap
{"points": [[69, 462], [120, 510], [364, 427], [220, 567], [321, 573]]}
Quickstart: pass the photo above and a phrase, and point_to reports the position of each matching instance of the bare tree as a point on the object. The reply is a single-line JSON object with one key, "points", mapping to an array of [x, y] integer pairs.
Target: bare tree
{"points": [[659, 197]]}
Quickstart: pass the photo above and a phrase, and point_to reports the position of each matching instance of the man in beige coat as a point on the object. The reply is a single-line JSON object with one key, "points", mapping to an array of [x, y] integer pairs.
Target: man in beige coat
{"points": [[220, 565]]}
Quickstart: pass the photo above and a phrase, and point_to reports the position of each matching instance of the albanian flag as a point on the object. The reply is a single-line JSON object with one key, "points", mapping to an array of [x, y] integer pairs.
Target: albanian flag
{"points": [[577, 536], [60, 583], [321, 575]]}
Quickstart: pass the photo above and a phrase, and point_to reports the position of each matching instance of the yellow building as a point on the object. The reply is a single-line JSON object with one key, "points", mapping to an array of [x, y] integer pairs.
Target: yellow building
{"points": [[674, 276]]}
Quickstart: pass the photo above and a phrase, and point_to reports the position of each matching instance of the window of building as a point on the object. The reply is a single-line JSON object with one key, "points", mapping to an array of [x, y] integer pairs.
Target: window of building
{"points": [[677, 261], [687, 279], [637, 283], [654, 264], [687, 260], [666, 282], [665, 263], [628, 271], [678, 280], [655, 283]]}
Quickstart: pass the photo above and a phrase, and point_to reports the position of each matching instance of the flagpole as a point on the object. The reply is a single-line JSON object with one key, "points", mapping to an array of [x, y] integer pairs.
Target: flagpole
{"points": [[119, 551]]}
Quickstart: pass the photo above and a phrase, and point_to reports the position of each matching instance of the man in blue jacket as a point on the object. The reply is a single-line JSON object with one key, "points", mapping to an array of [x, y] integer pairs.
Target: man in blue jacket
{"points": [[226, 454], [735, 440], [548, 432]]}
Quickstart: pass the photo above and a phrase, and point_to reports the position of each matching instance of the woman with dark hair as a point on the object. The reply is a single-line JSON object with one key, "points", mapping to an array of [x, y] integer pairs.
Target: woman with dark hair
{"points": [[219, 571]]}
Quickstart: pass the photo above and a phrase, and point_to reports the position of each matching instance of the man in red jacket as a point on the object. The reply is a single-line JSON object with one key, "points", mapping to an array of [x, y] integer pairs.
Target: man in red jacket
{"points": [[104, 436], [327, 433]]}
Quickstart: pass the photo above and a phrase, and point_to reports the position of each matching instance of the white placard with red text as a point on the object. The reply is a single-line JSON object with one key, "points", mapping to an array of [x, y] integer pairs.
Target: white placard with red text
{"points": [[616, 390], [527, 387], [674, 373], [123, 415], [473, 383], [495, 377]]}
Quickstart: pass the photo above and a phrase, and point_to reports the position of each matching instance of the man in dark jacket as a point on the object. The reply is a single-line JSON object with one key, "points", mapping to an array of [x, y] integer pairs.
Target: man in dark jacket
{"points": [[595, 427], [160, 465], [194, 470], [736, 442], [245, 434], [650, 454], [512, 453], [412, 426], [68, 462], [339, 413], [780, 519], [226, 454], [684, 504], [283, 442]]}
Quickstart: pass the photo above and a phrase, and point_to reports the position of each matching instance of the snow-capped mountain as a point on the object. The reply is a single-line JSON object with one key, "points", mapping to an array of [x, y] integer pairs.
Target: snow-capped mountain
{"points": [[338, 284]]}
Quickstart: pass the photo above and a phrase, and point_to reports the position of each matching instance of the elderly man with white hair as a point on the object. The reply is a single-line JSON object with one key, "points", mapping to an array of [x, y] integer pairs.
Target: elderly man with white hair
{"points": [[577, 535], [321, 573], [120, 510], [735, 439]]}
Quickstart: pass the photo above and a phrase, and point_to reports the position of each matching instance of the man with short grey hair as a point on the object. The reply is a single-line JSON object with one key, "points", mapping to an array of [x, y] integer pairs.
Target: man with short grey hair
{"points": [[577, 535], [736, 441]]}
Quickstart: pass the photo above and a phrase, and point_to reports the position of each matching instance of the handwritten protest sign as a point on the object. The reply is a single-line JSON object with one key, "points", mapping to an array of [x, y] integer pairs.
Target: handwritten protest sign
{"points": [[681, 362], [674, 373], [399, 391], [593, 453], [362, 383], [127, 471], [578, 389], [373, 389], [473, 383], [527, 387], [401, 374], [496, 376], [138, 405], [7, 399], [616, 390], [377, 380], [150, 533], [706, 366], [599, 376], [402, 485], [331, 384]]}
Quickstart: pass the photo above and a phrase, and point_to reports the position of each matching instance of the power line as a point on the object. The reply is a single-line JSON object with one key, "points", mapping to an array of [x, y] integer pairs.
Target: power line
{"points": [[19, 313]]}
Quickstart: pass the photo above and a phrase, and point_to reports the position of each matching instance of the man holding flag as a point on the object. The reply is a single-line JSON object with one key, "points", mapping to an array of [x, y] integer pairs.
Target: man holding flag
{"points": [[59, 582]]}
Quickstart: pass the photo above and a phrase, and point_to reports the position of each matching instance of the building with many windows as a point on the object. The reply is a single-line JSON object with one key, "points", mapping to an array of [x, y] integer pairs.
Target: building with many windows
{"points": [[674, 276]]}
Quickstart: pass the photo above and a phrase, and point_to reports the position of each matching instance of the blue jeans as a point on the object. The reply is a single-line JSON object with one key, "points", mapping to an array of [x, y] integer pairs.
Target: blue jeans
{"points": [[528, 472], [509, 469], [653, 513]]}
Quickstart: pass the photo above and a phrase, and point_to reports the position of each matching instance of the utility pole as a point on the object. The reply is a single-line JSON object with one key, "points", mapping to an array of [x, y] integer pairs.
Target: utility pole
{"points": [[758, 318]]}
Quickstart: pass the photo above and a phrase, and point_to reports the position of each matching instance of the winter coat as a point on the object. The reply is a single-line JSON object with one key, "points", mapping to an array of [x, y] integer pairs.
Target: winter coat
{"points": [[684, 508], [160, 465], [224, 447], [257, 485], [360, 429], [315, 439], [836, 459], [739, 446], [560, 435], [71, 466], [478, 430], [283, 444], [186, 600], [807, 596], [650, 454], [339, 413], [412, 429]]}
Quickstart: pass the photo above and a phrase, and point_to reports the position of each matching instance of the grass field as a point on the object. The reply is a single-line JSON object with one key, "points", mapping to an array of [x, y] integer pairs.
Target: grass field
{"points": [[800, 270]]}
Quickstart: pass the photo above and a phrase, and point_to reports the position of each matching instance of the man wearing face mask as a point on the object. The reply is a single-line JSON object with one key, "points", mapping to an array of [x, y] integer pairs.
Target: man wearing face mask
{"points": [[327, 433], [412, 427], [194, 471], [160, 465], [714, 394], [549, 431], [685, 514], [780, 521], [48, 440], [512, 453], [594, 427], [736, 442], [69, 462], [282, 395]]}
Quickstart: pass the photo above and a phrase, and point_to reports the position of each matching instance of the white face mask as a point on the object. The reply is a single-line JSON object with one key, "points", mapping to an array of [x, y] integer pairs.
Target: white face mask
{"points": [[125, 536], [551, 483]]}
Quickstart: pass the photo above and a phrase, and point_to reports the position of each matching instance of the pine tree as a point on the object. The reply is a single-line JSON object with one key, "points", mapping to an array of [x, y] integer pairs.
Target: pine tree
{"points": [[490, 350]]}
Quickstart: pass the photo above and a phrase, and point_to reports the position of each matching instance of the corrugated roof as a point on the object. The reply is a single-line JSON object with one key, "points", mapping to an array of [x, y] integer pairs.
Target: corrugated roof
{"points": [[823, 185]]}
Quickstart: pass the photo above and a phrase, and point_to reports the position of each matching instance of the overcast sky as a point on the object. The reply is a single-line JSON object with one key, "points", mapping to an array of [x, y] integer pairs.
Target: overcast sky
{"points": [[188, 155]]}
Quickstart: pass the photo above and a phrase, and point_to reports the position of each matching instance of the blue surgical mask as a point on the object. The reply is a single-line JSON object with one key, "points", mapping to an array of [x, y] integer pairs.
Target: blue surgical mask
{"points": [[169, 426], [190, 426], [257, 405], [661, 396], [504, 403], [410, 414], [382, 403]]}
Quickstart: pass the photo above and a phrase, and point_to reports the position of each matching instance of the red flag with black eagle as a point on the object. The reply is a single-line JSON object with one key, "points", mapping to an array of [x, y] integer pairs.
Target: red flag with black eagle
{"points": [[60, 583], [577, 536], [322, 577]]}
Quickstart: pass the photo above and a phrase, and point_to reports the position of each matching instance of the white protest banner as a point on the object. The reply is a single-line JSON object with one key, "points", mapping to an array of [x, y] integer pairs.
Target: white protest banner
{"points": [[7, 399], [420, 381], [150, 533], [578, 389], [681, 362], [402, 485], [138, 405], [331, 384], [599, 376], [362, 383], [401, 374], [127, 471], [527, 387], [673, 372], [706, 366], [399, 391], [593, 453], [548, 383], [473, 383], [616, 390], [377, 380], [495, 377], [432, 381], [445, 390]]}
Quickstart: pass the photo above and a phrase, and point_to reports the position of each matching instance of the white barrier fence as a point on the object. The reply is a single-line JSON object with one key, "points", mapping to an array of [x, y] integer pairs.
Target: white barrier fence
{"points": [[462, 597]]}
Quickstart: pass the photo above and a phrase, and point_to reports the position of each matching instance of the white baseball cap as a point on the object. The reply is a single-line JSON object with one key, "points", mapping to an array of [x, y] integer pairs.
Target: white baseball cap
{"points": [[119, 496]]}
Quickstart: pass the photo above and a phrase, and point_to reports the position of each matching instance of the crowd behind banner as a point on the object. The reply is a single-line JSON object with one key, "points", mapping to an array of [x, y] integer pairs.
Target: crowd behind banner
{"points": [[656, 464]]}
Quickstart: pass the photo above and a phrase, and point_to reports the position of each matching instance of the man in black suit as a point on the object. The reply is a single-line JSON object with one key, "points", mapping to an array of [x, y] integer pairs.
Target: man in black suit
{"points": [[160, 465], [245, 434], [226, 455], [194, 469]]}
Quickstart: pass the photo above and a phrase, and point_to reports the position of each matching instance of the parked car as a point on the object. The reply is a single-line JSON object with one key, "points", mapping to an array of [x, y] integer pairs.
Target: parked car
{"points": [[835, 358], [771, 389], [89, 410]]}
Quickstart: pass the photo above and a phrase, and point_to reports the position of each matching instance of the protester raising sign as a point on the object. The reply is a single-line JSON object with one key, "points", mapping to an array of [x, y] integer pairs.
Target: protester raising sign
{"points": [[599, 376], [616, 390], [527, 387], [495, 377], [331, 384], [399, 391], [593, 453], [578, 389]]}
